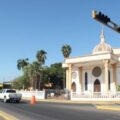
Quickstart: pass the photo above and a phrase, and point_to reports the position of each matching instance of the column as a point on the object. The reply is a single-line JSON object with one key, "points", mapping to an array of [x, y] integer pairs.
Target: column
{"points": [[70, 77], [113, 80], [80, 78], [67, 78], [106, 76]]}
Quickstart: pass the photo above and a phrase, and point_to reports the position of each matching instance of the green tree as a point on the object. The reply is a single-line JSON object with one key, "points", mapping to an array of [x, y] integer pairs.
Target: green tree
{"points": [[118, 87], [54, 75], [20, 83]]}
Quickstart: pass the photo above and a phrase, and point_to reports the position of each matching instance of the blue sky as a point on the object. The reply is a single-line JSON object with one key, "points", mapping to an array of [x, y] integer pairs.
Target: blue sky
{"points": [[27, 26]]}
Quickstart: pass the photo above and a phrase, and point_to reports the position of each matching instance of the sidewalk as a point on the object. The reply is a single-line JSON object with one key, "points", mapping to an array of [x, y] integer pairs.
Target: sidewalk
{"points": [[75, 102]]}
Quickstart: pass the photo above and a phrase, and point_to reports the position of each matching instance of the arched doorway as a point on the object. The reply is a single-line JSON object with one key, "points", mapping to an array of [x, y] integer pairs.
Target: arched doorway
{"points": [[73, 87], [97, 87]]}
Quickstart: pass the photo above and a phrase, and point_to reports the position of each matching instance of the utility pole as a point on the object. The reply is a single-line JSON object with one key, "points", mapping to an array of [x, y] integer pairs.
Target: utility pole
{"points": [[104, 19]]}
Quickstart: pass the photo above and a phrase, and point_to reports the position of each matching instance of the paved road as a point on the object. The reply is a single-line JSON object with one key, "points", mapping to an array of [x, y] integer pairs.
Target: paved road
{"points": [[57, 111]]}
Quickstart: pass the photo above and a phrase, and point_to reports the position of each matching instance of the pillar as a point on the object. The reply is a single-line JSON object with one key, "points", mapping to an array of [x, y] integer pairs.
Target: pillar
{"points": [[80, 78], [70, 77], [67, 78], [106, 76], [113, 80]]}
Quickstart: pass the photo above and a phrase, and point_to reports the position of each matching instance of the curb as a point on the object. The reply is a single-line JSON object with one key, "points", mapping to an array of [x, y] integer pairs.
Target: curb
{"points": [[7, 116], [108, 108], [1, 118]]}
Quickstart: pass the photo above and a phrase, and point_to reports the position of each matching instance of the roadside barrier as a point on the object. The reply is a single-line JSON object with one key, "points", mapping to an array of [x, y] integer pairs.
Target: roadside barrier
{"points": [[29, 94]]}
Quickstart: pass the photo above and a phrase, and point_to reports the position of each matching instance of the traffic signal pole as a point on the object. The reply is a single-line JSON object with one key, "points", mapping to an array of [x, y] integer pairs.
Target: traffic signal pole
{"points": [[100, 17]]}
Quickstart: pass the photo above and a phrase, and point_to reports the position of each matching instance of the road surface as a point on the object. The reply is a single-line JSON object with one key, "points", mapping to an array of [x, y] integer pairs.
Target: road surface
{"points": [[56, 111]]}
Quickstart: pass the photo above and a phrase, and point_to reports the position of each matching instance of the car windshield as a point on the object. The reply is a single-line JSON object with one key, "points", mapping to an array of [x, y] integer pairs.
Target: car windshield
{"points": [[11, 91]]}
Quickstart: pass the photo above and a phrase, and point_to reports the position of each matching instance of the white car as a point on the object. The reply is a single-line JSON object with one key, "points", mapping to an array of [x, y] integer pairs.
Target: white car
{"points": [[10, 95]]}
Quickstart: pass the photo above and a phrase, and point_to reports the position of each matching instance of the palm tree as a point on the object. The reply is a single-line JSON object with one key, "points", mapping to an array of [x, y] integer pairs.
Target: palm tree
{"points": [[21, 63], [28, 74], [33, 71], [66, 50], [41, 56]]}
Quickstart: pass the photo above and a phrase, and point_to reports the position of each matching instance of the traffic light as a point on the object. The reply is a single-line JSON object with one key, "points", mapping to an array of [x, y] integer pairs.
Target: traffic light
{"points": [[101, 17], [118, 29]]}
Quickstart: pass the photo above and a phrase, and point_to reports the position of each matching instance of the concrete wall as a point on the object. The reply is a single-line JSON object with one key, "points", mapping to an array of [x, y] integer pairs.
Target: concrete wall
{"points": [[29, 94]]}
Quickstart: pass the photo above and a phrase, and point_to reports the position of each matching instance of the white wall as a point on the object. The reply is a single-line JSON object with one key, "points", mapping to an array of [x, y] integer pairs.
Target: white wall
{"points": [[91, 79], [29, 94], [76, 80]]}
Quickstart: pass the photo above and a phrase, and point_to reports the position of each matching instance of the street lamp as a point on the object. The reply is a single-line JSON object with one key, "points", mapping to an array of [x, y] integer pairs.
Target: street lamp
{"points": [[104, 19]]}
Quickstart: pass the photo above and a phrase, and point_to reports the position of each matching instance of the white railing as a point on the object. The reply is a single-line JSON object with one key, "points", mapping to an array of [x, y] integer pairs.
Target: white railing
{"points": [[96, 96], [29, 94]]}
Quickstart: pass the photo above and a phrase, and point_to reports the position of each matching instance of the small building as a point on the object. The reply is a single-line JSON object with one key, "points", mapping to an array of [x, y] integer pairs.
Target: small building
{"points": [[97, 72], [7, 85], [1, 86]]}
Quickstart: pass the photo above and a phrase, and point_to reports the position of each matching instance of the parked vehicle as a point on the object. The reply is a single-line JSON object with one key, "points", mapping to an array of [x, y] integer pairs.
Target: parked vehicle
{"points": [[10, 95]]}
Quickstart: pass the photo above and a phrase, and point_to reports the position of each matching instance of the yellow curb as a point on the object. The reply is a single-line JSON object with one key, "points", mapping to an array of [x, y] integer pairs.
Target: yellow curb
{"points": [[7, 116], [107, 108]]}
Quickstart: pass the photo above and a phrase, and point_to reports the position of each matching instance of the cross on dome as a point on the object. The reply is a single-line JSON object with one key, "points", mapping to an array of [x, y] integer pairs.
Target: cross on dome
{"points": [[102, 36]]}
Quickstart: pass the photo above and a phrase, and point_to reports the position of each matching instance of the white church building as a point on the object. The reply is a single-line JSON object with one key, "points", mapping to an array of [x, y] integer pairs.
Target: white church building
{"points": [[98, 72]]}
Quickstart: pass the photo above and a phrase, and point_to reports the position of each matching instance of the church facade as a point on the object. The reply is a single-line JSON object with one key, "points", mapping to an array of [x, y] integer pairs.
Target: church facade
{"points": [[97, 72]]}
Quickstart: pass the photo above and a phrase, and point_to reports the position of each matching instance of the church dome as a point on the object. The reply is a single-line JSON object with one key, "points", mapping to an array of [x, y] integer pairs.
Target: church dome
{"points": [[102, 47]]}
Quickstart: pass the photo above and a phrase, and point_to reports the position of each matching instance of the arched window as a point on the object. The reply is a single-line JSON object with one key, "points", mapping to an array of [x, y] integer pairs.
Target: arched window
{"points": [[109, 80], [86, 81]]}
